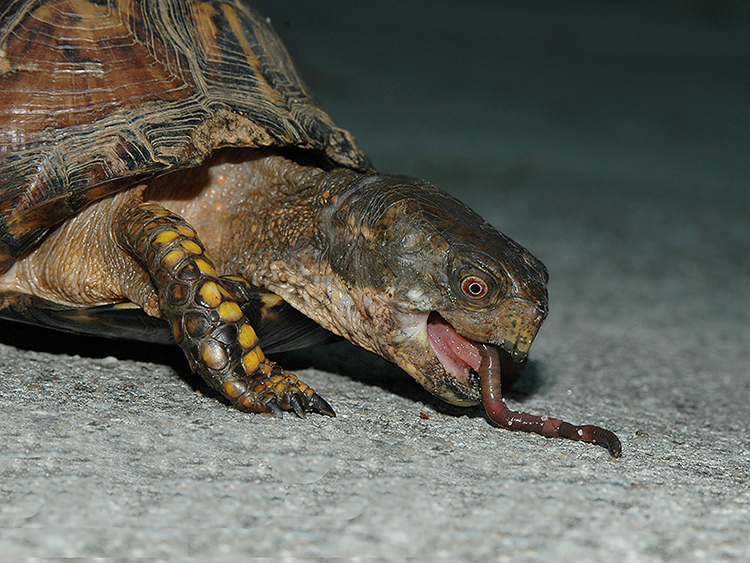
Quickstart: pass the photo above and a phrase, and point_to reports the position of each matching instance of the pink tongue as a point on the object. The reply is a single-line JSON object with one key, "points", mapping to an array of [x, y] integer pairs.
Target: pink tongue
{"points": [[451, 343]]}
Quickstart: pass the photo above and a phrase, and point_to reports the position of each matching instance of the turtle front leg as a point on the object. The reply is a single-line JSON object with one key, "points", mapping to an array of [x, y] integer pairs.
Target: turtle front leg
{"points": [[206, 320]]}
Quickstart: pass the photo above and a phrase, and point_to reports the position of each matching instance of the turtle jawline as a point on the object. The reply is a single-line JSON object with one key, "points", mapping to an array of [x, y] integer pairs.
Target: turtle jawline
{"points": [[457, 354]]}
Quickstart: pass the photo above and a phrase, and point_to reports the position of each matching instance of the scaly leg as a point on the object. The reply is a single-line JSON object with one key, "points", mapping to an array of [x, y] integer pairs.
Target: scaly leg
{"points": [[206, 320]]}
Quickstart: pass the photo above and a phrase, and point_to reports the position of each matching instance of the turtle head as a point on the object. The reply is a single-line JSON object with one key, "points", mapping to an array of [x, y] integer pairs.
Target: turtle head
{"points": [[423, 281]]}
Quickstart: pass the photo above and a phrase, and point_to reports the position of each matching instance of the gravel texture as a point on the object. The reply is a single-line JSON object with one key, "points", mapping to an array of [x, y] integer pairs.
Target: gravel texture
{"points": [[611, 139]]}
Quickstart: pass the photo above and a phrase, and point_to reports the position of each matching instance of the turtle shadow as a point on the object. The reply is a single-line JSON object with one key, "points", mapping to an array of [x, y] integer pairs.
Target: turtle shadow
{"points": [[40, 339], [341, 358], [34, 338]]}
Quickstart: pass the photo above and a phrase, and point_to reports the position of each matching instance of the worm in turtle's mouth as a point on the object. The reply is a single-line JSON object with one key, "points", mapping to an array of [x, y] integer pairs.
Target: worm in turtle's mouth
{"points": [[462, 358]]}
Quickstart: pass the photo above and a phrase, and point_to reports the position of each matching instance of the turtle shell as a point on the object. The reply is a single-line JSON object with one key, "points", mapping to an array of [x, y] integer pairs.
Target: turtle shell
{"points": [[97, 95]]}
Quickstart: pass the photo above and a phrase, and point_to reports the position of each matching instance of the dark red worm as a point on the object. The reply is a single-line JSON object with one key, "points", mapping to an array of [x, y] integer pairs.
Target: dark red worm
{"points": [[499, 413]]}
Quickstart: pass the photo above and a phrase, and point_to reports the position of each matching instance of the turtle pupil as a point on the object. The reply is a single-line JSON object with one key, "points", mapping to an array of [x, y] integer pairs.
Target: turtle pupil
{"points": [[474, 287]]}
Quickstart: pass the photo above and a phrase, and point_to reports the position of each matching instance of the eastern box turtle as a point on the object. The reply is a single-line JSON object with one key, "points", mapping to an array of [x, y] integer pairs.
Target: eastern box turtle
{"points": [[163, 156]]}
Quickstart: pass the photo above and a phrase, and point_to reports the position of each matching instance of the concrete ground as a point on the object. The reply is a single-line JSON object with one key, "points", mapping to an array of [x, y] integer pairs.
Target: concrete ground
{"points": [[611, 139]]}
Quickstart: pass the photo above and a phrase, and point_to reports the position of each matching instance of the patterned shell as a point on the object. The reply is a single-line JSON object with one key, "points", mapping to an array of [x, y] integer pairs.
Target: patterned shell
{"points": [[96, 95]]}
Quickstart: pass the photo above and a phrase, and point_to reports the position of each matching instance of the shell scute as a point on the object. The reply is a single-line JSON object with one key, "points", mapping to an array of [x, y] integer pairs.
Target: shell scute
{"points": [[98, 95]]}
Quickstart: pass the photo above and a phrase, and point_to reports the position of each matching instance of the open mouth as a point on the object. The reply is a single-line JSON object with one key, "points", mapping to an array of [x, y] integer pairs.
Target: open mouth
{"points": [[457, 354], [462, 358]]}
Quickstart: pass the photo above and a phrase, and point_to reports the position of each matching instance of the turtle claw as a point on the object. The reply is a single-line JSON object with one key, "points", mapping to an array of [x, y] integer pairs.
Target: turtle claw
{"points": [[296, 405], [274, 408], [275, 392], [319, 404]]}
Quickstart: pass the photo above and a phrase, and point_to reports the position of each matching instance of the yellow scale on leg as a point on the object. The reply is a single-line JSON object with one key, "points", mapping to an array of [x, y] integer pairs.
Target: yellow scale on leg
{"points": [[207, 322]]}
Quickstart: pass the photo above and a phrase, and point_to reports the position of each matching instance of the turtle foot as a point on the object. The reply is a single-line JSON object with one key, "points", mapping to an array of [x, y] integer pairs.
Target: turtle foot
{"points": [[281, 391]]}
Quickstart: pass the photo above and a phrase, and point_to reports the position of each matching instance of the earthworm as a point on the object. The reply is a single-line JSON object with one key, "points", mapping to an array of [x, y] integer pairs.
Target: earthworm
{"points": [[500, 414]]}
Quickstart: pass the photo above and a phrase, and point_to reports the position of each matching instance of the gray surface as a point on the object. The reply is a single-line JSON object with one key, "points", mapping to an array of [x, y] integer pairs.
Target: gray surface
{"points": [[610, 139]]}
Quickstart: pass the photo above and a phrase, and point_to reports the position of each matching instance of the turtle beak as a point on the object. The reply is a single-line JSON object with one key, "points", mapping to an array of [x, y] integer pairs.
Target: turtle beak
{"points": [[517, 349], [519, 327]]}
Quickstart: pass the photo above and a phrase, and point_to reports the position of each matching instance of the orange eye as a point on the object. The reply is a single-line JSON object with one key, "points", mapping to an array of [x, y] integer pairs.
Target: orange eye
{"points": [[474, 287]]}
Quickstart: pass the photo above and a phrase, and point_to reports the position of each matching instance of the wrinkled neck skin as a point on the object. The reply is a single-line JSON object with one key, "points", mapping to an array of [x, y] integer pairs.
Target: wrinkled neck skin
{"points": [[288, 248], [391, 263], [298, 241]]}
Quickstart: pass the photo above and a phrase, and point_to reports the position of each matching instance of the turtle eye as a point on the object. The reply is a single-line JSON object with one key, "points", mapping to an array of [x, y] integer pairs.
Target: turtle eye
{"points": [[474, 287]]}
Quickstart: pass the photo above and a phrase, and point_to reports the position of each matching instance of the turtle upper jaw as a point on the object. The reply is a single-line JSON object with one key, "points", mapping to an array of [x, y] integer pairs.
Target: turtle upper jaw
{"points": [[454, 349]]}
